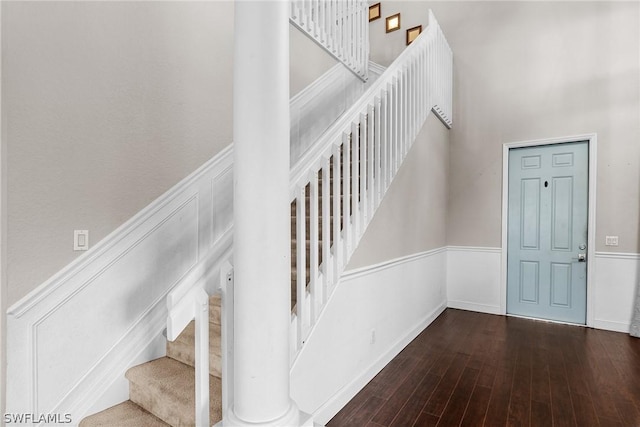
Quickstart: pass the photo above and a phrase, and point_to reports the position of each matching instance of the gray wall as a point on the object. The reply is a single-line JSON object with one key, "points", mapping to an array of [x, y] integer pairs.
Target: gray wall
{"points": [[412, 217], [108, 105], [534, 70]]}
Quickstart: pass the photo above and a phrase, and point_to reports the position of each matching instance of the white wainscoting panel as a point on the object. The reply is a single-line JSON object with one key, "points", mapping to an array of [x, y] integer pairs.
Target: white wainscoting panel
{"points": [[617, 278], [71, 340], [473, 278], [395, 301]]}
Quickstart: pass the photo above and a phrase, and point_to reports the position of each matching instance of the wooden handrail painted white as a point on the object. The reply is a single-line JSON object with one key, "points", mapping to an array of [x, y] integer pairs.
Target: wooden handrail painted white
{"points": [[341, 27], [365, 148]]}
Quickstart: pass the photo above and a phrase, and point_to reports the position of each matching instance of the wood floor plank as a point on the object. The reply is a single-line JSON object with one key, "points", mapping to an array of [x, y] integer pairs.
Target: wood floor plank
{"points": [[342, 418], [426, 420], [520, 403], [477, 408], [540, 414], [365, 412], [399, 398], [455, 409], [584, 411], [442, 393], [412, 409]]}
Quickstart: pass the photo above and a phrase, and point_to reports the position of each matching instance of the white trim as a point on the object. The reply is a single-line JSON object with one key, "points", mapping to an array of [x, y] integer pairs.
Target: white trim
{"points": [[618, 255], [591, 138], [475, 249], [342, 397], [374, 268], [472, 306], [609, 325]]}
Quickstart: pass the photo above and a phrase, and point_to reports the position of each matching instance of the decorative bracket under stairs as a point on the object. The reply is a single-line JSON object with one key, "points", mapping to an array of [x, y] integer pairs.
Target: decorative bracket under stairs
{"points": [[341, 27]]}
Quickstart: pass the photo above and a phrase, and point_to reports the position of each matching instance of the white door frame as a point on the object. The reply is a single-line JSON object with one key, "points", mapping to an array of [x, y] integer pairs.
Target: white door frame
{"points": [[591, 222]]}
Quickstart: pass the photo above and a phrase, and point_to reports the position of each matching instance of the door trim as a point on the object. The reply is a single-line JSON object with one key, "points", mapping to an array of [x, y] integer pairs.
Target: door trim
{"points": [[592, 141]]}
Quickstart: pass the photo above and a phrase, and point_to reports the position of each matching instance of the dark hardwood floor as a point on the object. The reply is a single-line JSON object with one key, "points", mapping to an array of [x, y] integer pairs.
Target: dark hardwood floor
{"points": [[472, 369]]}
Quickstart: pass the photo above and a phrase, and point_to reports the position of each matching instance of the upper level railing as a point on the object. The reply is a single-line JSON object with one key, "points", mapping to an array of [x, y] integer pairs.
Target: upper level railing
{"points": [[337, 186], [339, 26]]}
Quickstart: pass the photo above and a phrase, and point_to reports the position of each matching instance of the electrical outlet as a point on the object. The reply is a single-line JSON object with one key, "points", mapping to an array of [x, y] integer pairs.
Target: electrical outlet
{"points": [[80, 240], [373, 336], [611, 241]]}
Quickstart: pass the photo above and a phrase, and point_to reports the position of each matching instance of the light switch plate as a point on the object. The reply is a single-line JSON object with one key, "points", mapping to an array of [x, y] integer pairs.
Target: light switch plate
{"points": [[80, 240]]}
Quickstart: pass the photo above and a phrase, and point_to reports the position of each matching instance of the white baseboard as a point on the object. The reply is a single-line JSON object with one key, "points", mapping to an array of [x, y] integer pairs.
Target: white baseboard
{"points": [[608, 325], [471, 306]]}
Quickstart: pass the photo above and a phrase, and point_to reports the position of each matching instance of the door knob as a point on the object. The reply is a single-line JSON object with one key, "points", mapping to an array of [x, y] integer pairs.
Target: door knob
{"points": [[582, 257]]}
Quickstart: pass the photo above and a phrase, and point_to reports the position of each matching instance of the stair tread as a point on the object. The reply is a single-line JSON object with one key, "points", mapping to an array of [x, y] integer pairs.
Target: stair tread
{"points": [[183, 348], [166, 388], [125, 414]]}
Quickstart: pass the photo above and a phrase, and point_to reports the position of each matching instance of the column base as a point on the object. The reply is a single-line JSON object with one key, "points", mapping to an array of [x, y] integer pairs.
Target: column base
{"points": [[292, 418]]}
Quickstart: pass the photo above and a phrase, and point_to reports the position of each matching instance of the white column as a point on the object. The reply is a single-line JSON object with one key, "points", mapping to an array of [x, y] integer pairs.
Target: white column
{"points": [[261, 217]]}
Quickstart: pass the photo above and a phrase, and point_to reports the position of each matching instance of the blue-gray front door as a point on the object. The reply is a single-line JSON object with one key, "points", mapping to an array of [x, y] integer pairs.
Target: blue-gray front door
{"points": [[547, 233]]}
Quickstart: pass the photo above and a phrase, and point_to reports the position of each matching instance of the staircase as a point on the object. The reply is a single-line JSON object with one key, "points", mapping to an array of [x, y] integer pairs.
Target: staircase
{"points": [[335, 189], [162, 391]]}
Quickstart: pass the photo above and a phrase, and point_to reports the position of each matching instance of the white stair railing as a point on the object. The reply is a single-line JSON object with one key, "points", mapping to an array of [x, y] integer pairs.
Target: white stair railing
{"points": [[359, 157], [341, 27]]}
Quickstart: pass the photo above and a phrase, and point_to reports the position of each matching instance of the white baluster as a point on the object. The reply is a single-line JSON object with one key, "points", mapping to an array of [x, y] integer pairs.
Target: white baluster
{"points": [[346, 216], [362, 168], [202, 357], [301, 259], [355, 175], [379, 129], [326, 228], [314, 243], [337, 200], [371, 161]]}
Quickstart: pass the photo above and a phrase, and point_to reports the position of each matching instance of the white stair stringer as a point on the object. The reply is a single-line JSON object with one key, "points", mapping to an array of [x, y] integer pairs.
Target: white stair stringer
{"points": [[341, 27]]}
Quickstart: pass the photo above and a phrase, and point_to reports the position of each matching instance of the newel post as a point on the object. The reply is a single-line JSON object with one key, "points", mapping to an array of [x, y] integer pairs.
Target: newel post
{"points": [[261, 247]]}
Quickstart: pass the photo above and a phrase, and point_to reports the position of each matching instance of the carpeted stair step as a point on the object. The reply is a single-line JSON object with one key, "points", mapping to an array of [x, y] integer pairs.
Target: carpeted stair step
{"points": [[183, 348], [166, 388], [125, 414]]}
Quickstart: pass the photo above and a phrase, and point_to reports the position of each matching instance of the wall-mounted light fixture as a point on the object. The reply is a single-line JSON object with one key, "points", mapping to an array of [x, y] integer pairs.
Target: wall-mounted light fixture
{"points": [[412, 33], [393, 23], [374, 12]]}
